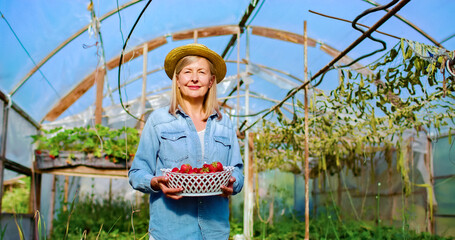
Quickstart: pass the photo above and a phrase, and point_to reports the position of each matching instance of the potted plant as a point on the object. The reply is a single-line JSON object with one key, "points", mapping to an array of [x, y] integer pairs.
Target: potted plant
{"points": [[98, 146]]}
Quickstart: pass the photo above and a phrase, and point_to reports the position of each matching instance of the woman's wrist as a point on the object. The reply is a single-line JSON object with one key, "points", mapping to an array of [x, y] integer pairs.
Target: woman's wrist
{"points": [[153, 184]]}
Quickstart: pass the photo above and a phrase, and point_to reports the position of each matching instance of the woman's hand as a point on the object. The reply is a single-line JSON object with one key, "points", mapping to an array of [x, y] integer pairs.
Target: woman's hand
{"points": [[160, 183], [228, 190]]}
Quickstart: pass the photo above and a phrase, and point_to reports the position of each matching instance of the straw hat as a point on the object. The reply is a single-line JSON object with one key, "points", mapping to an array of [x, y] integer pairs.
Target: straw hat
{"points": [[194, 49]]}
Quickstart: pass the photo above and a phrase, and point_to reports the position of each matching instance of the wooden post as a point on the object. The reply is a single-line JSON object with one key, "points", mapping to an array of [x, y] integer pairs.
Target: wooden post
{"points": [[429, 165], [144, 85], [35, 199], [307, 167], [3, 150], [248, 187], [99, 79], [52, 207], [339, 189], [65, 196], [110, 191], [195, 37]]}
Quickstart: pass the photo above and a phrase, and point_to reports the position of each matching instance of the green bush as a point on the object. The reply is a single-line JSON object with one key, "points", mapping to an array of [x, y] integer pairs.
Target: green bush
{"points": [[16, 200], [92, 219], [326, 227], [89, 218]]}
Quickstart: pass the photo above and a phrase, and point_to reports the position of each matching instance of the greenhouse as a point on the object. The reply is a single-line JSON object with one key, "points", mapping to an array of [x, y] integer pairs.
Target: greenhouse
{"points": [[343, 113]]}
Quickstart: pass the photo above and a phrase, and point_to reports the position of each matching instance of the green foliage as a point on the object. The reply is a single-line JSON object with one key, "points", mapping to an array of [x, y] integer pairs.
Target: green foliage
{"points": [[16, 200], [364, 114], [115, 144], [326, 227], [108, 219]]}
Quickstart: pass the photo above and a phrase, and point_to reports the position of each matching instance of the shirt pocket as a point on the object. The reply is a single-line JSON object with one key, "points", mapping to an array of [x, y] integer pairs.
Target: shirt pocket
{"points": [[222, 149], [174, 147]]}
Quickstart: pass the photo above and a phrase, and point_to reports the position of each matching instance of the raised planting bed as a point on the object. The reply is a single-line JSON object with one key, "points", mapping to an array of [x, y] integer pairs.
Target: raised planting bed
{"points": [[64, 159]]}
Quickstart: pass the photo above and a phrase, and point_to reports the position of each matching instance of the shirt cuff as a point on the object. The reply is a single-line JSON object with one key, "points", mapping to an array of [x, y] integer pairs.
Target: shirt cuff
{"points": [[147, 180]]}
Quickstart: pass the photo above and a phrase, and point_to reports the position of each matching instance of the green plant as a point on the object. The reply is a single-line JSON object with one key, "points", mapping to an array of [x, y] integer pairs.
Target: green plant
{"points": [[16, 199], [3, 231], [364, 114], [108, 219], [325, 226], [113, 144]]}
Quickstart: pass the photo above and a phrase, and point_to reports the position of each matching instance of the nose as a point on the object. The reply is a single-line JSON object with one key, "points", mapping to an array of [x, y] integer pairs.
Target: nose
{"points": [[195, 77]]}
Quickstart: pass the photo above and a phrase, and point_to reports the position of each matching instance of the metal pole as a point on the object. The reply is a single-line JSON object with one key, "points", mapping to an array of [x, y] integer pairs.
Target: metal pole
{"points": [[342, 54], [361, 38]]}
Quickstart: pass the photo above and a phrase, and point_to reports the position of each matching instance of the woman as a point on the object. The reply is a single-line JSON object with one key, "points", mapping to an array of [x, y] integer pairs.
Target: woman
{"points": [[192, 130]]}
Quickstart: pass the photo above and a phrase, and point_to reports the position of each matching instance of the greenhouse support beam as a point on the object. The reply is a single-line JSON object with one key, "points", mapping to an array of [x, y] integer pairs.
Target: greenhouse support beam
{"points": [[3, 150], [336, 59], [248, 196], [242, 23], [16, 167], [144, 85], [204, 32], [73, 95], [19, 110], [409, 23], [137, 52], [307, 154], [66, 42], [99, 79], [367, 33], [344, 20]]}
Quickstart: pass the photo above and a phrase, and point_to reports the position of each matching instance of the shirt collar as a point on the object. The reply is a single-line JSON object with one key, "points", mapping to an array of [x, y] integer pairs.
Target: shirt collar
{"points": [[179, 110]]}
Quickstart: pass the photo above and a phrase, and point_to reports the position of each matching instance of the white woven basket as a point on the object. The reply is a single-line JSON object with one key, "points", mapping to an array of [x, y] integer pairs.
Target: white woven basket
{"points": [[206, 184]]}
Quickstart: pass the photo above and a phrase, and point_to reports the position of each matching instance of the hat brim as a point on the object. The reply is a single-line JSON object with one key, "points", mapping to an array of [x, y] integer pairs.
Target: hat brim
{"points": [[195, 49]]}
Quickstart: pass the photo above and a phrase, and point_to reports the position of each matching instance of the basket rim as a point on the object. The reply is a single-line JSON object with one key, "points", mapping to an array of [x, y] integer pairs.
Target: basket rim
{"points": [[226, 169]]}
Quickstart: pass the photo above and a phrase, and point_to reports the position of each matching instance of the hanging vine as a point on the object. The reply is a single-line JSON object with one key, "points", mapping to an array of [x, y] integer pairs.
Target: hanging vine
{"points": [[364, 114]]}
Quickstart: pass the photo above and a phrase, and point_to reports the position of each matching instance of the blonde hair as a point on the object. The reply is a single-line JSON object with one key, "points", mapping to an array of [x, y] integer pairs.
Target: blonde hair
{"points": [[210, 102]]}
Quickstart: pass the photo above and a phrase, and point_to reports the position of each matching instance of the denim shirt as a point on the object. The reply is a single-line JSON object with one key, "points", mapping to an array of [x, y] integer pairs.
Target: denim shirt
{"points": [[169, 141]]}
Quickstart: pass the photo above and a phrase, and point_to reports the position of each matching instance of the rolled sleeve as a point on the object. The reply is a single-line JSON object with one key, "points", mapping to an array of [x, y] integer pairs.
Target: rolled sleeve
{"points": [[237, 162], [143, 168]]}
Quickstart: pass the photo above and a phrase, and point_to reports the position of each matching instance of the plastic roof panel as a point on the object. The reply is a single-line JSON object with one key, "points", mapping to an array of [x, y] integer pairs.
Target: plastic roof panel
{"points": [[41, 26]]}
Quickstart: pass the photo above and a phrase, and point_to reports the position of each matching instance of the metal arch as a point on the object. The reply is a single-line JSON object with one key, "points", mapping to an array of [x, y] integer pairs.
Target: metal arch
{"points": [[66, 42], [88, 82], [409, 23]]}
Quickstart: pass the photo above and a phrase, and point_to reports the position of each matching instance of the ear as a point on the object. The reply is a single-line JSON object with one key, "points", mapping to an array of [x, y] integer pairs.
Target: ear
{"points": [[212, 81], [176, 79]]}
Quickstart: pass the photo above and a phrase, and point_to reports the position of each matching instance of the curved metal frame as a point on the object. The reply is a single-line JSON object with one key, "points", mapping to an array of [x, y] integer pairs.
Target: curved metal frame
{"points": [[282, 35]]}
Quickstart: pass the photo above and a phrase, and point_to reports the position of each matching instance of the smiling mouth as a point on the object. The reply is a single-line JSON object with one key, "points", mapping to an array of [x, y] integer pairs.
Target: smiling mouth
{"points": [[194, 87]]}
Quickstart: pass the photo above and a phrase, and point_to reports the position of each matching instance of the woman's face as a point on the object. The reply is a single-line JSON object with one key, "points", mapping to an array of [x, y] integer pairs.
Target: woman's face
{"points": [[195, 79]]}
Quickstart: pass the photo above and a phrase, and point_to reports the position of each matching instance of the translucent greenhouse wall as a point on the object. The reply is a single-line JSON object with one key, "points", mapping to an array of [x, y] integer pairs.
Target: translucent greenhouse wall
{"points": [[444, 182], [17, 156], [376, 193], [19, 147]]}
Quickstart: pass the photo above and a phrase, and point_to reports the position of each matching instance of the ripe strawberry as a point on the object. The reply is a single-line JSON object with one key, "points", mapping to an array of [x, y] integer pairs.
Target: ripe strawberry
{"points": [[212, 168], [204, 169], [38, 151], [176, 169], [191, 171], [218, 165], [185, 168], [52, 156]]}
